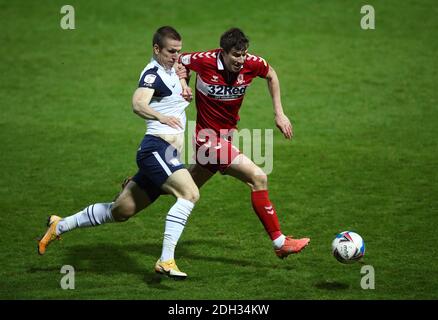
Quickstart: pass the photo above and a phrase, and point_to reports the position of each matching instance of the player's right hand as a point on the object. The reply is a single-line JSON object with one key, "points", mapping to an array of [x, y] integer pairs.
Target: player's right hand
{"points": [[283, 123], [171, 122], [187, 94]]}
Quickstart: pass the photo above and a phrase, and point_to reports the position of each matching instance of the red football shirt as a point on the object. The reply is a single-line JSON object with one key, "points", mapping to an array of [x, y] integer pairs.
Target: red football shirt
{"points": [[219, 94]]}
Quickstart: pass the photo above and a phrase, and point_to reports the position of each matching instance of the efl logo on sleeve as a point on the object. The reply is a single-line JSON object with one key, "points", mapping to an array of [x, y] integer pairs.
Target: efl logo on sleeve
{"points": [[150, 79], [186, 59]]}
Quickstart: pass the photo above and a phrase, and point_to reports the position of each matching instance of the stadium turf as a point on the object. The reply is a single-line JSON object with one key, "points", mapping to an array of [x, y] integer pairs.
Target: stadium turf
{"points": [[364, 156]]}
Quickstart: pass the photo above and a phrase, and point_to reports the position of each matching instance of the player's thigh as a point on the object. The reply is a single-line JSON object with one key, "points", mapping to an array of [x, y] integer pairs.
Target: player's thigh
{"points": [[131, 200], [181, 185], [200, 174], [247, 171]]}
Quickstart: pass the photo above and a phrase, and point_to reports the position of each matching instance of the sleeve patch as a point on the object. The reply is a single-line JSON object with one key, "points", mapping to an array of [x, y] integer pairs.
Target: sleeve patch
{"points": [[186, 59], [149, 78]]}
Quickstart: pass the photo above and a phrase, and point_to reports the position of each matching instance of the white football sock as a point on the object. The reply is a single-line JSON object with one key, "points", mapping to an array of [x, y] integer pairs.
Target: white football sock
{"points": [[278, 243], [175, 221], [91, 216]]}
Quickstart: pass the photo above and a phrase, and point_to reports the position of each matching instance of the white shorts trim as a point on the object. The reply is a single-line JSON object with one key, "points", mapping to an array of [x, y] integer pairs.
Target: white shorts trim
{"points": [[162, 163]]}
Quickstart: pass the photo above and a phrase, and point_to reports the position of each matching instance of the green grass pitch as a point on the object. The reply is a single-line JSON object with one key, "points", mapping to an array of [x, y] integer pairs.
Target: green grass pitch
{"points": [[364, 104]]}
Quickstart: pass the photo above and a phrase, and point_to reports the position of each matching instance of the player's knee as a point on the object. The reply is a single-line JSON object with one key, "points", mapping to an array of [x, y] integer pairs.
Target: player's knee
{"points": [[192, 194], [122, 212], [259, 181], [195, 195]]}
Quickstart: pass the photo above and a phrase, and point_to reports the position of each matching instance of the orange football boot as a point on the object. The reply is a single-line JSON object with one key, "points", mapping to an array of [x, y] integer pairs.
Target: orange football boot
{"points": [[291, 246], [50, 234]]}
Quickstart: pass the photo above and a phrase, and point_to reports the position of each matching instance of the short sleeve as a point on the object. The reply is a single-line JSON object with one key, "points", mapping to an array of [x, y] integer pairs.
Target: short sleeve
{"points": [[190, 61], [149, 79], [259, 66]]}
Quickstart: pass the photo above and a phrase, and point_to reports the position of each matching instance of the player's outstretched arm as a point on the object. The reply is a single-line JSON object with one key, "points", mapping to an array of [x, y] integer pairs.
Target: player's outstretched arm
{"points": [[140, 105], [281, 120]]}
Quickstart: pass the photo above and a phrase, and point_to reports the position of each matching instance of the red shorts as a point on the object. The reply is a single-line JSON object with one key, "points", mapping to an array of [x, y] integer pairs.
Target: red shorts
{"points": [[215, 152]]}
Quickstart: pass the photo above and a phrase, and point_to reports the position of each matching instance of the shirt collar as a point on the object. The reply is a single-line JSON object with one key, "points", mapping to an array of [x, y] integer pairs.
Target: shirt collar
{"points": [[160, 67], [220, 65]]}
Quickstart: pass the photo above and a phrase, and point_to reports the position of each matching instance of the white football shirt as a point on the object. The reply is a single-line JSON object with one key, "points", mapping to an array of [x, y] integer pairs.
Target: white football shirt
{"points": [[167, 98]]}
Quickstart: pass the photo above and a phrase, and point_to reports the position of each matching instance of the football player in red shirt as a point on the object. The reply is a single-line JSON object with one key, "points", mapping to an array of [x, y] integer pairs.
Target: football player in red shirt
{"points": [[223, 76]]}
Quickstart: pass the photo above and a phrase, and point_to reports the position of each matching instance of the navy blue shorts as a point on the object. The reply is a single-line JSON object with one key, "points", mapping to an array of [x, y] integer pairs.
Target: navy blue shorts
{"points": [[156, 161]]}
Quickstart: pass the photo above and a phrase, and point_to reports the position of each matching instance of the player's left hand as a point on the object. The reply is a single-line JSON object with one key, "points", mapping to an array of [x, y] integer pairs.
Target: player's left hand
{"points": [[187, 93], [285, 126]]}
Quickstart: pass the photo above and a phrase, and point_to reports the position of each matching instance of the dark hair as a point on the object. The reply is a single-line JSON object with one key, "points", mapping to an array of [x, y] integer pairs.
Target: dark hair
{"points": [[234, 38], [165, 32]]}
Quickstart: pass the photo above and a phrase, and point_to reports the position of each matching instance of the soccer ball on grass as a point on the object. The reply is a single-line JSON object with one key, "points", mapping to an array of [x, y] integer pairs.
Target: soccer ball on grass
{"points": [[348, 247]]}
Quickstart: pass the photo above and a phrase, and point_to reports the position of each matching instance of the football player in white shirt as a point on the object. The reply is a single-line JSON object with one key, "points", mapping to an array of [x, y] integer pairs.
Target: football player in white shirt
{"points": [[158, 99]]}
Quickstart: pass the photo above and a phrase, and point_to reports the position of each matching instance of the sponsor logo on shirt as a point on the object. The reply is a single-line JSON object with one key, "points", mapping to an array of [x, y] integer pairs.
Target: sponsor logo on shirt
{"points": [[223, 92], [220, 91]]}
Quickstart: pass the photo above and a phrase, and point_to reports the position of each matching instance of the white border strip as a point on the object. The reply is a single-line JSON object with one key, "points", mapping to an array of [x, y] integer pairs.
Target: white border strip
{"points": [[162, 163]]}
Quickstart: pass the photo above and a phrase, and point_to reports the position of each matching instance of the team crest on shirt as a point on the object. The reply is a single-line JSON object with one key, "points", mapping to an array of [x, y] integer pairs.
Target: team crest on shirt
{"points": [[240, 79], [150, 79]]}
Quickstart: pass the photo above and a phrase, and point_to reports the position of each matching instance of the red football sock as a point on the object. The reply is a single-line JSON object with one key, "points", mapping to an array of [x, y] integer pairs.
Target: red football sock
{"points": [[266, 213]]}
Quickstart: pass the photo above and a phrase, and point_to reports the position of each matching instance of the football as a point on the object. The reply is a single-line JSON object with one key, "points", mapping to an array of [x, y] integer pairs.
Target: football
{"points": [[348, 247]]}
